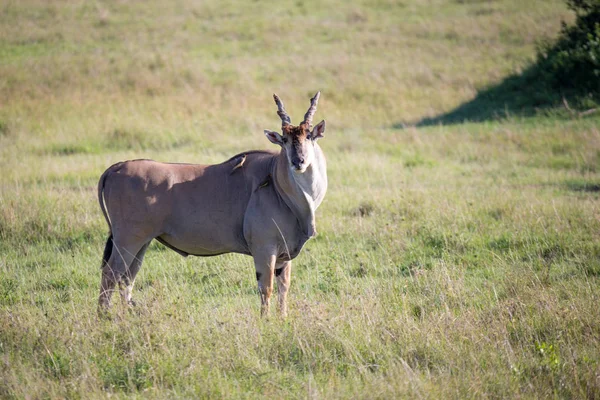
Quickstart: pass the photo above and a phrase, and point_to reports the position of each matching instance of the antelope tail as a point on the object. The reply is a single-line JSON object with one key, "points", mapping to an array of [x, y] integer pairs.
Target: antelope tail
{"points": [[109, 242], [101, 193]]}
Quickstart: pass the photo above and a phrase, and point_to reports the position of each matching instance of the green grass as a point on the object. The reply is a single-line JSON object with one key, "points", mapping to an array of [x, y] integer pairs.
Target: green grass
{"points": [[453, 261]]}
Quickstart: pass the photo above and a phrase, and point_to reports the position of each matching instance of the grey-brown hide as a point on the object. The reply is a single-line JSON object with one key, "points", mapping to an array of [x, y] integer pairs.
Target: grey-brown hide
{"points": [[257, 203]]}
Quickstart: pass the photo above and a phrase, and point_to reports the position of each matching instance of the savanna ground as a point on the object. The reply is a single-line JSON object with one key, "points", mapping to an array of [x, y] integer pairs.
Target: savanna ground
{"points": [[453, 260]]}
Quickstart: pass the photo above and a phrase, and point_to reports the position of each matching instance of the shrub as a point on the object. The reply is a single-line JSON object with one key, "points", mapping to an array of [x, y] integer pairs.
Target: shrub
{"points": [[572, 63]]}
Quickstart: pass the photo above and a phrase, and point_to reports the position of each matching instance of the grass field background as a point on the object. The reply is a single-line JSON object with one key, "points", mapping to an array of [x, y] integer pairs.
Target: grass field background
{"points": [[453, 261]]}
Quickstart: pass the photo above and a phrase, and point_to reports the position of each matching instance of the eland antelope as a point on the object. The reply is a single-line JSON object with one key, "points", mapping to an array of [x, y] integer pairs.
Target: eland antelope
{"points": [[257, 203]]}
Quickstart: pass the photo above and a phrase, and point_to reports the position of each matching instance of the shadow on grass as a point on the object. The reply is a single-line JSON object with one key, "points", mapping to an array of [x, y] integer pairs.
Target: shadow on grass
{"points": [[566, 71], [583, 186], [522, 95]]}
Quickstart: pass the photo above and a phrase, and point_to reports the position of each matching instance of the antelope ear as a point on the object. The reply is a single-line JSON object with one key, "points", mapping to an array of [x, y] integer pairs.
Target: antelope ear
{"points": [[318, 130], [274, 137]]}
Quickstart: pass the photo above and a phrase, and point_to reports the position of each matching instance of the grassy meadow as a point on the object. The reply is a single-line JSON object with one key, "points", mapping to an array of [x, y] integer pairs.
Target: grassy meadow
{"points": [[456, 260]]}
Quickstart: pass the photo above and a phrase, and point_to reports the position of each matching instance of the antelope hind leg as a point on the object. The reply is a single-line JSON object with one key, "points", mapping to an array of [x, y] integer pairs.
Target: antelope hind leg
{"points": [[126, 284], [113, 270]]}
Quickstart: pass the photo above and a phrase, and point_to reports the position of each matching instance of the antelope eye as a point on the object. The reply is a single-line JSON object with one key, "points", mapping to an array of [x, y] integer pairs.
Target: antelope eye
{"points": [[285, 139]]}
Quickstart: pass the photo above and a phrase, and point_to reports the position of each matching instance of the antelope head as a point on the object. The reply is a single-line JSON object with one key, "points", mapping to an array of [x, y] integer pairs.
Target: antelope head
{"points": [[298, 142]]}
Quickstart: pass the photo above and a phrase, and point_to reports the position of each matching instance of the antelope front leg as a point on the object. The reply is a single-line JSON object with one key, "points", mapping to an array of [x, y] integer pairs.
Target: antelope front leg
{"points": [[265, 267], [283, 273]]}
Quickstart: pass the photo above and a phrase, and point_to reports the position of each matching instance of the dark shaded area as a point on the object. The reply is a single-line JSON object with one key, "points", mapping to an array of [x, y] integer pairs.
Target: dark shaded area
{"points": [[521, 95], [583, 186], [566, 71]]}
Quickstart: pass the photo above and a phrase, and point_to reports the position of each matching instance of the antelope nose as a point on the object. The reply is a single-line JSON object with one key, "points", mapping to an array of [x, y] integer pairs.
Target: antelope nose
{"points": [[297, 161]]}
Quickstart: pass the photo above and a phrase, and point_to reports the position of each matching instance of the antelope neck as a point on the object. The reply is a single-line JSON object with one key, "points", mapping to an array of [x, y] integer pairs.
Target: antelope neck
{"points": [[302, 193]]}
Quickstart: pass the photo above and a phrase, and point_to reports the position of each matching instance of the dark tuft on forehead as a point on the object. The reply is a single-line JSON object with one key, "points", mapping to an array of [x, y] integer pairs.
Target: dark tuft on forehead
{"points": [[297, 132]]}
